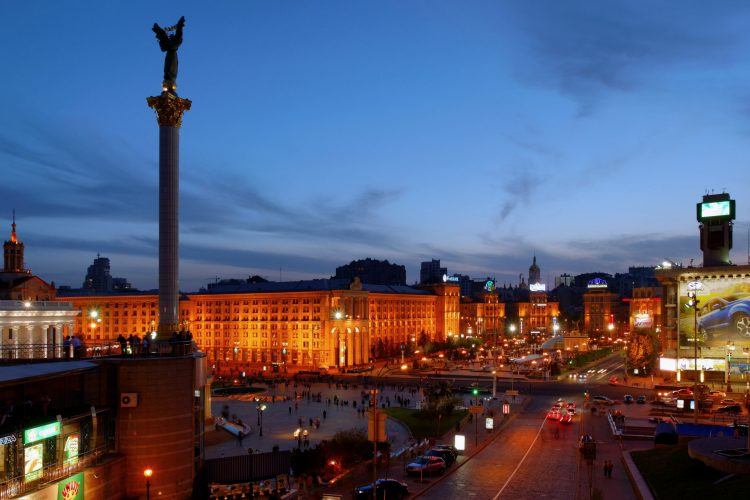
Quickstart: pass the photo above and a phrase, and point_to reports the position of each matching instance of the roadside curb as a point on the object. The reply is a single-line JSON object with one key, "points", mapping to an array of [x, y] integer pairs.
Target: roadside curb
{"points": [[637, 481], [526, 402]]}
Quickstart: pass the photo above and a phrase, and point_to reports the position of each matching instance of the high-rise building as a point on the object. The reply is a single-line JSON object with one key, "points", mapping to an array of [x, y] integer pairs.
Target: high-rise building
{"points": [[376, 272], [98, 278], [564, 279], [431, 272]]}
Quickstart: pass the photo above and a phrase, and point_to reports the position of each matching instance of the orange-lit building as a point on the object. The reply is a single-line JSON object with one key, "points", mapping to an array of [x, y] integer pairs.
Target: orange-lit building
{"points": [[315, 323], [483, 316], [600, 306], [645, 308], [536, 315]]}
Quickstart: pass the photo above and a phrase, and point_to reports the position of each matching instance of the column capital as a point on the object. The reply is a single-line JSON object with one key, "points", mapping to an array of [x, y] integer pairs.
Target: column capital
{"points": [[169, 108]]}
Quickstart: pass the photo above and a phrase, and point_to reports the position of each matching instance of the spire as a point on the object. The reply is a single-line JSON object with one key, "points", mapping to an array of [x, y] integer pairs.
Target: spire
{"points": [[13, 236]]}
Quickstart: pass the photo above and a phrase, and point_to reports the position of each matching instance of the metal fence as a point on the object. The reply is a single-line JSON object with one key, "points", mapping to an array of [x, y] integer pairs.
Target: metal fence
{"points": [[26, 352], [20, 485], [246, 468]]}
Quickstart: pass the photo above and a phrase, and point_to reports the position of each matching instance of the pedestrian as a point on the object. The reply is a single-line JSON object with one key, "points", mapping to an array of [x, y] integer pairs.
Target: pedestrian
{"points": [[324, 414], [240, 437], [290, 409], [605, 468], [611, 467]]}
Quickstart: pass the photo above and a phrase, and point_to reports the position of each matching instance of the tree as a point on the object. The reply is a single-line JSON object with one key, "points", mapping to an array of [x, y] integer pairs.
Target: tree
{"points": [[423, 339], [642, 350]]}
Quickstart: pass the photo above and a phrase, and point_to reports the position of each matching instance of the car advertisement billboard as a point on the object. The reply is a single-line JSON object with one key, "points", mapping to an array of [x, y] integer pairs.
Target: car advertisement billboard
{"points": [[723, 314]]}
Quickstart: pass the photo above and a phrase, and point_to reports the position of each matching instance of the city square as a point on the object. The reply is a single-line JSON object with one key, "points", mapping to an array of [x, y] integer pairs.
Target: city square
{"points": [[374, 250]]}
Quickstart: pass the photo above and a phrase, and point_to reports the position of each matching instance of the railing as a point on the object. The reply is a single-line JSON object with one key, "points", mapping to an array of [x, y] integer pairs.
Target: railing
{"points": [[35, 305], [19, 485], [31, 352]]}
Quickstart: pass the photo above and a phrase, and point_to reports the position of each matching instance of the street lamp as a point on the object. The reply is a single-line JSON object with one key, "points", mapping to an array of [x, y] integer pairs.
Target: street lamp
{"points": [[693, 302], [746, 350], [147, 473], [260, 409], [729, 350]]}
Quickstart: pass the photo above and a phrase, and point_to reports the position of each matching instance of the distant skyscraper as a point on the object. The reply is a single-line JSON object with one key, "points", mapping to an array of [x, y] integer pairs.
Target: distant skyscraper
{"points": [[431, 272], [535, 275], [376, 272], [564, 279], [99, 279]]}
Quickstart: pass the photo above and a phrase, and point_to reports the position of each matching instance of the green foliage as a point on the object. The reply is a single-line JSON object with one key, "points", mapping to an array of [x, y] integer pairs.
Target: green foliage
{"points": [[642, 350], [424, 424]]}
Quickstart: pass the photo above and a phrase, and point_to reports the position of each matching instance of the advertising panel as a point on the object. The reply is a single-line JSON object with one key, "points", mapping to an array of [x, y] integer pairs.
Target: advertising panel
{"points": [[71, 488], [643, 320], [71, 448], [32, 461], [723, 314]]}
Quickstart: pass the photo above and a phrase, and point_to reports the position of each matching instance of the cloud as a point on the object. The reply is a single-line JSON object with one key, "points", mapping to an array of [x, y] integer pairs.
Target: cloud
{"points": [[518, 189], [584, 49]]}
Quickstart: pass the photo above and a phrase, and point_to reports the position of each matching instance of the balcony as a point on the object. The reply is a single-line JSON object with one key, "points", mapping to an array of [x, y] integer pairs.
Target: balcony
{"points": [[25, 353]]}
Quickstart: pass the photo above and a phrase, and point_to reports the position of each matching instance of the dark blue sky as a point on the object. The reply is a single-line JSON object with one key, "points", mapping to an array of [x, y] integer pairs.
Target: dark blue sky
{"points": [[474, 132]]}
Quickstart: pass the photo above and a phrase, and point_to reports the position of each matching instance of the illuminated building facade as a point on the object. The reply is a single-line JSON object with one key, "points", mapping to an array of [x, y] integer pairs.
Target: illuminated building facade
{"points": [[599, 308], [32, 323], [483, 316], [536, 315], [315, 323], [645, 308]]}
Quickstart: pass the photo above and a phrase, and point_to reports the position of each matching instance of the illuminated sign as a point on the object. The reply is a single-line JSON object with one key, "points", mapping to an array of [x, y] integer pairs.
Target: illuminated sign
{"points": [[452, 279], [695, 286], [489, 423], [41, 432], [715, 209], [9, 439], [71, 448], [459, 442], [32, 461], [489, 286], [71, 488], [643, 320], [537, 287], [597, 283], [668, 364]]}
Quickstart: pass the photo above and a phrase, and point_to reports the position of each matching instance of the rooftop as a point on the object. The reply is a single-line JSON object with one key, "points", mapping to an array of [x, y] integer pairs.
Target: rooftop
{"points": [[26, 372]]}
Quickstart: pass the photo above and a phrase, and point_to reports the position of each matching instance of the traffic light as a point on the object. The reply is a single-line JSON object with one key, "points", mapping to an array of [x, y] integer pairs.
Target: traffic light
{"points": [[475, 391]]}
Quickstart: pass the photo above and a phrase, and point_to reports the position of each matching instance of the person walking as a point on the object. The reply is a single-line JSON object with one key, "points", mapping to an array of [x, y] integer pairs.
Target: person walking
{"points": [[605, 467]]}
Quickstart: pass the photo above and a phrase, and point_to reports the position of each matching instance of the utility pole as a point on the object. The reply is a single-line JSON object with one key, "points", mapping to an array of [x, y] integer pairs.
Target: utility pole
{"points": [[693, 302]]}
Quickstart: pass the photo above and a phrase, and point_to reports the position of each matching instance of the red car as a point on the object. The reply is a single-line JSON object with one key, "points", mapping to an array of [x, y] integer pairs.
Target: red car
{"points": [[426, 466]]}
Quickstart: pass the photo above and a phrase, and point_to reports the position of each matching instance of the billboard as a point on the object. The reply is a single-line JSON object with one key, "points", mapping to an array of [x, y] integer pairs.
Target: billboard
{"points": [[723, 314]]}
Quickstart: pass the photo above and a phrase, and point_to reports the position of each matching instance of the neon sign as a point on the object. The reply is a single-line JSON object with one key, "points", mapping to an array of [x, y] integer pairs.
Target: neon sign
{"points": [[452, 279], [537, 287], [41, 432], [597, 283]]}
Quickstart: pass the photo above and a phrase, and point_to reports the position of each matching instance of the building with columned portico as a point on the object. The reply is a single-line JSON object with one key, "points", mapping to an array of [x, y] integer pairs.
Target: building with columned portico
{"points": [[32, 323]]}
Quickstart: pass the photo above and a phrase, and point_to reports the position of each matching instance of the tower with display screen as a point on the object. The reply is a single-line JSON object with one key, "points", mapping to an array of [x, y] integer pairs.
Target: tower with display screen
{"points": [[715, 215]]}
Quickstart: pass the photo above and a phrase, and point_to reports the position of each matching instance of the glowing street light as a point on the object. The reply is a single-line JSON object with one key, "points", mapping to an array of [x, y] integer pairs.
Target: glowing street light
{"points": [[147, 473]]}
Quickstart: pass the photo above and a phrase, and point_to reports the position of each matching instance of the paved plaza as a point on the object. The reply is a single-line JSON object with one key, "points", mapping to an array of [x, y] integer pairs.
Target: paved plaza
{"points": [[279, 423]]}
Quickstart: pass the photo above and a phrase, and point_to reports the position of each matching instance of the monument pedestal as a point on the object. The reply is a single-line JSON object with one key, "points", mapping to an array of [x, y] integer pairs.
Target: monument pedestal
{"points": [[169, 110]]}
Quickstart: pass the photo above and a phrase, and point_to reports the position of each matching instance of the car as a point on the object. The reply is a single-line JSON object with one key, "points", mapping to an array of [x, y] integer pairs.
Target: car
{"points": [[602, 400], [384, 488], [426, 466], [641, 400], [730, 314], [729, 401], [448, 447], [628, 399], [735, 408], [716, 394], [571, 406], [446, 455], [553, 414]]}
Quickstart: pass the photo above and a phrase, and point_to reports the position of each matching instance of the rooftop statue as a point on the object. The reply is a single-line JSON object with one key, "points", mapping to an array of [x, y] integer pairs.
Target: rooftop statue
{"points": [[169, 43]]}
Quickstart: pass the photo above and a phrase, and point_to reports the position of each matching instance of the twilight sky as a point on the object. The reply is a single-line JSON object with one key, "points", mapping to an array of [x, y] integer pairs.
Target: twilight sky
{"points": [[474, 132]]}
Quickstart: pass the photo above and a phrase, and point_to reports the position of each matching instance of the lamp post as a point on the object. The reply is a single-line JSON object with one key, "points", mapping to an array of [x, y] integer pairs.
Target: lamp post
{"points": [[693, 302], [746, 350], [260, 409], [729, 349], [147, 473], [494, 383]]}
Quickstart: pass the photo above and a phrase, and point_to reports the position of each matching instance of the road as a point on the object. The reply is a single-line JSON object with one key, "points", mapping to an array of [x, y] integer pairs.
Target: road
{"points": [[535, 458]]}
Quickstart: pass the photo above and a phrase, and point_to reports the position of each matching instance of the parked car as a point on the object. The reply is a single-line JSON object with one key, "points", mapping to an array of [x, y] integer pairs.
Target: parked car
{"points": [[448, 447], [602, 400], [628, 399], [641, 400], [716, 395], [728, 401], [446, 455], [730, 313], [384, 488], [735, 408], [426, 466]]}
